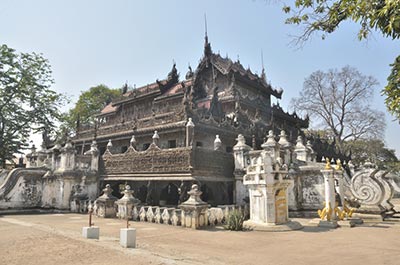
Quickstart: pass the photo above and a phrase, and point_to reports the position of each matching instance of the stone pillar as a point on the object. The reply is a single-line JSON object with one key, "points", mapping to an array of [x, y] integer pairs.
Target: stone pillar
{"points": [[67, 157], [240, 154], [31, 158], [194, 210], [328, 214], [285, 146], [300, 150], [94, 152], [105, 204], [189, 132], [56, 152], [47, 162], [271, 146], [42, 155], [338, 174], [126, 204], [310, 152]]}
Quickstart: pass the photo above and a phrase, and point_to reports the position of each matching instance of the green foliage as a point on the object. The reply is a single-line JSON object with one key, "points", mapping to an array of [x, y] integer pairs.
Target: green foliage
{"points": [[325, 16], [392, 89], [234, 221], [90, 103], [374, 151], [27, 103]]}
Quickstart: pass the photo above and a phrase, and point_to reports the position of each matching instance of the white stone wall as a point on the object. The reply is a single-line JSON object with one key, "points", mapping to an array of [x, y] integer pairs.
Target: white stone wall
{"points": [[32, 188]]}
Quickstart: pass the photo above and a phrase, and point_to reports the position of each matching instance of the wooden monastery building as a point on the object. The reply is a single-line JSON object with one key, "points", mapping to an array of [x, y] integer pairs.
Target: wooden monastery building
{"points": [[197, 121]]}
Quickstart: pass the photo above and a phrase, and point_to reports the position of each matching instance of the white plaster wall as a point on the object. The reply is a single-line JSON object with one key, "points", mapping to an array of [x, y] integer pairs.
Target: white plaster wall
{"points": [[25, 194]]}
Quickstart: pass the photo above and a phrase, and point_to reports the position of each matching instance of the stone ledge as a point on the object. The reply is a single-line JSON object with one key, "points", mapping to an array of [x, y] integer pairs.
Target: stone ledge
{"points": [[289, 226]]}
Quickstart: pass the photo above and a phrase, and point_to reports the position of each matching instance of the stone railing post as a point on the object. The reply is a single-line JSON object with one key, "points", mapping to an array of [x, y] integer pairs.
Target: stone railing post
{"points": [[241, 155]]}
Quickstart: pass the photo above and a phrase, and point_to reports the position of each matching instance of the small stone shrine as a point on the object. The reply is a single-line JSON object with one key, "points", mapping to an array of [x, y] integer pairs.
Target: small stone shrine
{"points": [[267, 184], [105, 204], [194, 210]]}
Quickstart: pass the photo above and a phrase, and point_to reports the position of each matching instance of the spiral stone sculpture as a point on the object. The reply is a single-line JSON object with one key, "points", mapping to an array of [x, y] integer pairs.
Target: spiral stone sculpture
{"points": [[366, 188]]}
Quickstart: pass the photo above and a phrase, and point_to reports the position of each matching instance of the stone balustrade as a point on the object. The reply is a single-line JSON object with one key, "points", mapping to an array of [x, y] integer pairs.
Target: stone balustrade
{"points": [[173, 216]]}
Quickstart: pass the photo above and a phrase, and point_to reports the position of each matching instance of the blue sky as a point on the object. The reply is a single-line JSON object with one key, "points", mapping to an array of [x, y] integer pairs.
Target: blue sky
{"points": [[110, 42]]}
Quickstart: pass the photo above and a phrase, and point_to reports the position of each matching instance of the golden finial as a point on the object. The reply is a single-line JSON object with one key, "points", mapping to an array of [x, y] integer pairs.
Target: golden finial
{"points": [[338, 164], [328, 164]]}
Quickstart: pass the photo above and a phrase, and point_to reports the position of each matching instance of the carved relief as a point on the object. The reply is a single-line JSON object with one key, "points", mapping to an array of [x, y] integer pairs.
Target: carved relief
{"points": [[151, 160]]}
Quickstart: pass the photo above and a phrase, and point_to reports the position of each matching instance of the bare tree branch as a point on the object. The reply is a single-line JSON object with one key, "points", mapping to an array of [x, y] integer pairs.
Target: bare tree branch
{"points": [[340, 101]]}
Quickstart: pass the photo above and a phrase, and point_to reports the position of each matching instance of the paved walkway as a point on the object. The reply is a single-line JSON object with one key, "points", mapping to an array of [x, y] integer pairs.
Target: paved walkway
{"points": [[56, 239]]}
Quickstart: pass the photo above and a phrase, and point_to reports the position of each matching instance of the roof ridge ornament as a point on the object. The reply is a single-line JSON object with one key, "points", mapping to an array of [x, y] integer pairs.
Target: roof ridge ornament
{"points": [[173, 76]]}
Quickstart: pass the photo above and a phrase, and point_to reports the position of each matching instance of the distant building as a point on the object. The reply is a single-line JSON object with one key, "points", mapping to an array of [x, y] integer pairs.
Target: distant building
{"points": [[219, 97]]}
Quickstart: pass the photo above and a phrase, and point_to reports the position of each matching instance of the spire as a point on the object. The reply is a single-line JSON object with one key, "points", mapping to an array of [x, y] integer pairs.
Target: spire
{"points": [[207, 45], [263, 76]]}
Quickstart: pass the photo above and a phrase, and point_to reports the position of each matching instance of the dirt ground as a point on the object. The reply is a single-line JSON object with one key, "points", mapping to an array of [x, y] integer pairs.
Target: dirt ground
{"points": [[56, 239]]}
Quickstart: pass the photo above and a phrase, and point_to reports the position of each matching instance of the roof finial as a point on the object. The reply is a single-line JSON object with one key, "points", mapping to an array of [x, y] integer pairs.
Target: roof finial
{"points": [[207, 46], [263, 76]]}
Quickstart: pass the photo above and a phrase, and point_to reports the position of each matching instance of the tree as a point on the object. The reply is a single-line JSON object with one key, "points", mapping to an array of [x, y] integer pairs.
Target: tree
{"points": [[392, 89], [90, 103], [339, 101], [373, 150], [27, 103], [326, 15]]}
